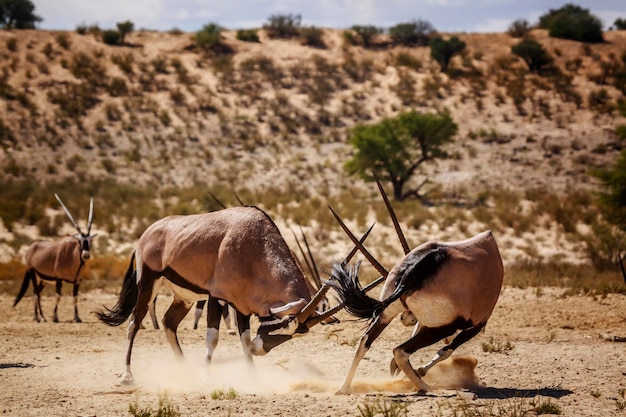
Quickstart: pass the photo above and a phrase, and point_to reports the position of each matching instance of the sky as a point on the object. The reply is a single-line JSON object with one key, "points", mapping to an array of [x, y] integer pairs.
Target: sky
{"points": [[192, 15]]}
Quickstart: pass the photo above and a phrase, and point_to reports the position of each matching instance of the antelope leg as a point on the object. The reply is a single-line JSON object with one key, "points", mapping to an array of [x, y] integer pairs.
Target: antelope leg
{"points": [[172, 318], [373, 331], [446, 351], [58, 286], [425, 337], [75, 294]]}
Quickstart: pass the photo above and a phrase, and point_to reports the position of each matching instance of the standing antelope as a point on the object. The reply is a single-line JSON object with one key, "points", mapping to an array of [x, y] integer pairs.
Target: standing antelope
{"points": [[444, 287], [236, 255], [58, 261]]}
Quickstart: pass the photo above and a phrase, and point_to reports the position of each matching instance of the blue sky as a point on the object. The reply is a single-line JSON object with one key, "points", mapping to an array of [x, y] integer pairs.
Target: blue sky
{"points": [[191, 15]]}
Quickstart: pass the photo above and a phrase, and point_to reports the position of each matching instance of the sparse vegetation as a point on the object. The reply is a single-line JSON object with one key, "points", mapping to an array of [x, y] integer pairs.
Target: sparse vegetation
{"points": [[415, 33], [224, 394], [381, 406], [283, 26], [533, 54], [165, 409], [497, 346], [519, 28]]}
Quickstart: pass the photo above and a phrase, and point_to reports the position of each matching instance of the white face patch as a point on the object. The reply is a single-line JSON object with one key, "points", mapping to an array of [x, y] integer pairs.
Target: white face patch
{"points": [[288, 326]]}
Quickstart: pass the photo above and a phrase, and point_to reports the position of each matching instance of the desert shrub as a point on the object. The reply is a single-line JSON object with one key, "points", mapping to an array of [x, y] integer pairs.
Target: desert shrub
{"points": [[82, 29], [74, 99], [572, 22], [365, 35], [283, 26], [518, 28], [11, 43], [209, 37], [64, 41], [620, 24], [117, 87], [312, 36], [48, 50], [159, 63], [84, 67], [532, 53], [124, 28], [443, 51], [415, 33], [248, 35], [165, 409], [7, 137], [600, 101], [405, 59], [222, 394], [124, 61], [111, 37]]}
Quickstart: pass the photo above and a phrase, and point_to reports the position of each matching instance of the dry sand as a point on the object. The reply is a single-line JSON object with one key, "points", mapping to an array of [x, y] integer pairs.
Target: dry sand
{"points": [[558, 355]]}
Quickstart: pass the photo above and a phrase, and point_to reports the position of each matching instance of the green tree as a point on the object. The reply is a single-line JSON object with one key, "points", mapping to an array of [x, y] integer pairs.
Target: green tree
{"points": [[443, 51], [18, 14], [125, 28], [572, 22], [415, 33], [620, 24], [396, 148], [533, 54]]}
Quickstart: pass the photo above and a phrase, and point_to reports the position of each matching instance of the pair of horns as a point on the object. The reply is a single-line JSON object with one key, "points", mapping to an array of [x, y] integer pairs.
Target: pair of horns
{"points": [[308, 309], [69, 215], [405, 246]]}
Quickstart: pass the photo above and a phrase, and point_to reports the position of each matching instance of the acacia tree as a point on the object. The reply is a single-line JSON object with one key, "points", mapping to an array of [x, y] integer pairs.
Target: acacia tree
{"points": [[396, 148], [18, 14]]}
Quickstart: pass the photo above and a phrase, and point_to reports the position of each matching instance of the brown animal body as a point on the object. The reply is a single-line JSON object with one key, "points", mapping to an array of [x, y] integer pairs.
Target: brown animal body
{"points": [[57, 261], [236, 255], [444, 287], [441, 287]]}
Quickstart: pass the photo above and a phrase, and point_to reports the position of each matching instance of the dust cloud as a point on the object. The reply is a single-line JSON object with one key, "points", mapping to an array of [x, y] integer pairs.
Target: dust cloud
{"points": [[289, 376]]}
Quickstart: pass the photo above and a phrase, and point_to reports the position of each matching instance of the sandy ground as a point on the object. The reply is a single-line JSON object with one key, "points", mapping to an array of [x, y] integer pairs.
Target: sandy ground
{"points": [[558, 355]]}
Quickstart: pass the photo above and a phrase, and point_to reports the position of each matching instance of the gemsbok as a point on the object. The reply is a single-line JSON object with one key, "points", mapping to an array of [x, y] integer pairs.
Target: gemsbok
{"points": [[443, 287], [58, 261], [237, 255]]}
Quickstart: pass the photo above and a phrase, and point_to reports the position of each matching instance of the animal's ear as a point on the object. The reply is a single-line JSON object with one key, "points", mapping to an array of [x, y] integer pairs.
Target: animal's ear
{"points": [[291, 308]]}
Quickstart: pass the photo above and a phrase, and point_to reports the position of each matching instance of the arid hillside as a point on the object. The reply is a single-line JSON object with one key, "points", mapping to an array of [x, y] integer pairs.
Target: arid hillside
{"points": [[271, 121]]}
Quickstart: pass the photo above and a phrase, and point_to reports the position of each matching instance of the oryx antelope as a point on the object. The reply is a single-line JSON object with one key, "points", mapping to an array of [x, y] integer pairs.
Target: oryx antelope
{"points": [[236, 255], [58, 261], [443, 287]]}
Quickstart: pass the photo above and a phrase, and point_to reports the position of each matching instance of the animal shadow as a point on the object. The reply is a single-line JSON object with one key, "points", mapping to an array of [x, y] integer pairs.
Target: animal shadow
{"points": [[506, 393], [16, 365]]}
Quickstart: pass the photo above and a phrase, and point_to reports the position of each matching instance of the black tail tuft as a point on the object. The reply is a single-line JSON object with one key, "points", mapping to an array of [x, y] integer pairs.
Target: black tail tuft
{"points": [[27, 278], [345, 281], [126, 302]]}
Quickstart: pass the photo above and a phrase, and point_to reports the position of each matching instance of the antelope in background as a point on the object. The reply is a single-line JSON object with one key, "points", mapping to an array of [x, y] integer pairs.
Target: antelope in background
{"points": [[57, 261], [236, 255], [441, 287]]}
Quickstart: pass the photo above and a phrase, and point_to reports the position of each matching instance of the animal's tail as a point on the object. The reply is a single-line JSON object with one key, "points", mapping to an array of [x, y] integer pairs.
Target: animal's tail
{"points": [[28, 276], [126, 302], [345, 281]]}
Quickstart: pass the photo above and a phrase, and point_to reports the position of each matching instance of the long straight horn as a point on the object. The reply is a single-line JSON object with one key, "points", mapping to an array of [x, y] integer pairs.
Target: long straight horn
{"points": [[394, 218], [306, 260], [67, 212], [316, 272], [621, 265], [217, 200], [241, 203], [306, 311], [90, 220], [322, 291], [313, 320], [356, 242], [356, 248]]}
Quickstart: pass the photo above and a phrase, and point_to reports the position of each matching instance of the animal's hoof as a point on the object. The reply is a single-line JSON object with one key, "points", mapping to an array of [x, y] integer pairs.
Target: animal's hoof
{"points": [[77, 320], [421, 372], [232, 332], [55, 320]]}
